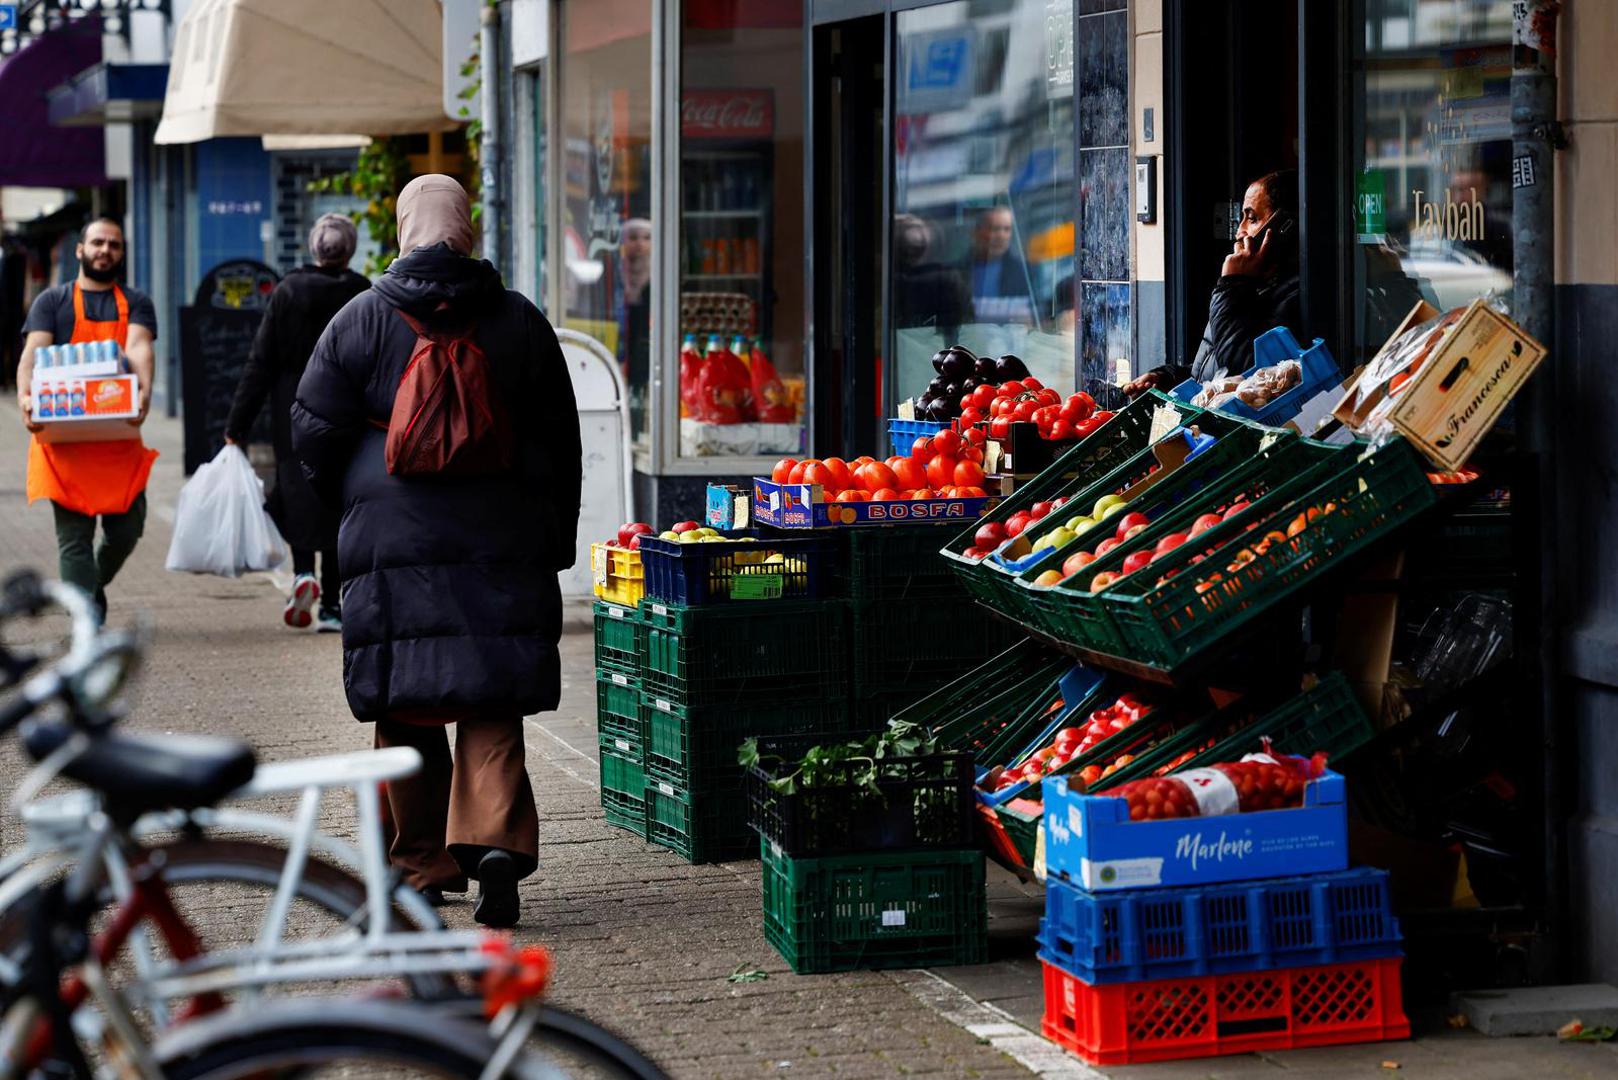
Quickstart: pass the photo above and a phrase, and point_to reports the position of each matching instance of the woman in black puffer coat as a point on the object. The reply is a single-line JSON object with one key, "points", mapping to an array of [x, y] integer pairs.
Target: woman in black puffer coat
{"points": [[451, 609]]}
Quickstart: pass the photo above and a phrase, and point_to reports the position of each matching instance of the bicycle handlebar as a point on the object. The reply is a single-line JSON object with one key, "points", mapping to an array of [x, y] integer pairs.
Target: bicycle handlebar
{"points": [[26, 594]]}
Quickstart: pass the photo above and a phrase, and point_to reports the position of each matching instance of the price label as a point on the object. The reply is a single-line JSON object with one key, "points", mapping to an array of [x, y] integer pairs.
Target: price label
{"points": [[659, 609], [614, 611], [623, 744], [757, 587], [893, 918], [621, 680], [664, 706], [665, 788], [1165, 418]]}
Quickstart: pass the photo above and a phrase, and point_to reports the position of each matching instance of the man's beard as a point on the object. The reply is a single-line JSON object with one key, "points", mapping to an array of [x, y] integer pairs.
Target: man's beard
{"points": [[105, 277]]}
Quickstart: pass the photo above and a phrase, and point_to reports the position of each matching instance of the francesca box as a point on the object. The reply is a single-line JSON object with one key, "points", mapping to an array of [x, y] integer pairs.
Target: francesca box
{"points": [[1444, 392], [95, 409], [1090, 840]]}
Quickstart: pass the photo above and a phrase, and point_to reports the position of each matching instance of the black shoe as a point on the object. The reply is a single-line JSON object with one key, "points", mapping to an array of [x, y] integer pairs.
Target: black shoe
{"points": [[433, 895], [497, 890]]}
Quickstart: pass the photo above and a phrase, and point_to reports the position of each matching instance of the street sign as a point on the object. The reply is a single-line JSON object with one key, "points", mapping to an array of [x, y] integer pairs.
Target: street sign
{"points": [[8, 16]]}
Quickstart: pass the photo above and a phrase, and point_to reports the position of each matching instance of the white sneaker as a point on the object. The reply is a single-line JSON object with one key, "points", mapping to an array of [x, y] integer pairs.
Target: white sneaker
{"points": [[305, 594]]}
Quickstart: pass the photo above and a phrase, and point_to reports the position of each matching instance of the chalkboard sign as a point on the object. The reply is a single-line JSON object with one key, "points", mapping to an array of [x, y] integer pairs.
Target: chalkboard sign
{"points": [[216, 334]]}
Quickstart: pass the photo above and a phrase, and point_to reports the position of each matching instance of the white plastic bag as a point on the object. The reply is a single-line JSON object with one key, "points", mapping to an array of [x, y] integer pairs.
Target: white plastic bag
{"points": [[220, 526]]}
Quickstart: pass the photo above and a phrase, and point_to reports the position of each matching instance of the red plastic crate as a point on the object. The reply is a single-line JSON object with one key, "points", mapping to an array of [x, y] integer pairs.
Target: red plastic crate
{"points": [[1280, 1009]]}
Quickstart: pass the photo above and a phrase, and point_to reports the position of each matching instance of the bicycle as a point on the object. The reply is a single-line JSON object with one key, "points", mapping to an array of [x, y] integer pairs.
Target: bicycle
{"points": [[90, 837]]}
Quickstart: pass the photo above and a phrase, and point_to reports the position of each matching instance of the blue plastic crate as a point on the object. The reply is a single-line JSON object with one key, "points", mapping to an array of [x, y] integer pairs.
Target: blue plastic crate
{"points": [[1090, 840], [695, 575], [1270, 348], [902, 434], [1303, 921]]}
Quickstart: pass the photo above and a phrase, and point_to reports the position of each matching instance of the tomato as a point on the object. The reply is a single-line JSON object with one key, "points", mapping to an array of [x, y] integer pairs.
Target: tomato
{"points": [[1031, 383], [969, 416], [982, 397], [863, 459], [923, 493], [972, 454], [976, 436], [974, 493], [911, 473], [1024, 411], [946, 443], [876, 476], [1062, 430], [783, 470], [885, 494], [1047, 396], [893, 462], [796, 475], [941, 471], [1012, 387], [968, 474], [852, 495], [1000, 428], [922, 449], [840, 471], [819, 472]]}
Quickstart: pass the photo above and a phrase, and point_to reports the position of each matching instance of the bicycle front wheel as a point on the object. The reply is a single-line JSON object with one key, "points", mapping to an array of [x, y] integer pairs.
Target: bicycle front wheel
{"points": [[342, 1037]]}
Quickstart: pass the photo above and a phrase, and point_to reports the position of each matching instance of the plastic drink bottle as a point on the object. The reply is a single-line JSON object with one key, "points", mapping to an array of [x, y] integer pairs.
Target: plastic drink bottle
{"points": [[76, 400]]}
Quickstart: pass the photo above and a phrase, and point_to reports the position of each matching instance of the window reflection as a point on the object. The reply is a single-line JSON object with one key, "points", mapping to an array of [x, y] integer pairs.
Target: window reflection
{"points": [[983, 187]]}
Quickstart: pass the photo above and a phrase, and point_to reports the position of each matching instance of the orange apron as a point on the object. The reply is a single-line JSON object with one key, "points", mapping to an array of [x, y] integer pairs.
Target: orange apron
{"points": [[91, 477]]}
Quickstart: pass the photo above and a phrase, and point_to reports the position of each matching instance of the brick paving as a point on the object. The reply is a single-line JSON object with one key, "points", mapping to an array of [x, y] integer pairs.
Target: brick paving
{"points": [[643, 941]]}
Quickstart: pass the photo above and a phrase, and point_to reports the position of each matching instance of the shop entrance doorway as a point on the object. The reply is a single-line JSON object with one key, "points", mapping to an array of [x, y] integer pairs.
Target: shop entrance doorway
{"points": [[848, 132]]}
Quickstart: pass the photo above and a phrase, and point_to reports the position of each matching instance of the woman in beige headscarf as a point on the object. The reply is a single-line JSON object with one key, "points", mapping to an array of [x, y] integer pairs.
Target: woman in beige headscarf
{"points": [[451, 607]]}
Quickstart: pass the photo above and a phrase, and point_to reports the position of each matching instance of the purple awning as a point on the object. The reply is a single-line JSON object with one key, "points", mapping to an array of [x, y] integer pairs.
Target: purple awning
{"points": [[32, 152]]}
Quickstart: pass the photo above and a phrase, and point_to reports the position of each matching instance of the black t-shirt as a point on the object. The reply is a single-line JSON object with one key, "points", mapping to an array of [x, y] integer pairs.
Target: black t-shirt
{"points": [[53, 310]]}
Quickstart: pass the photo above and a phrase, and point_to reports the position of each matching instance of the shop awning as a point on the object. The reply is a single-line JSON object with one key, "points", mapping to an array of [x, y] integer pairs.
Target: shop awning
{"points": [[109, 94], [305, 67], [32, 153]]}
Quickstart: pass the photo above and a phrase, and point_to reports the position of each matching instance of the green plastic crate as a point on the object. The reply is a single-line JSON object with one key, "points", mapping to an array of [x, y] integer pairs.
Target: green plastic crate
{"points": [[739, 653], [708, 826], [1124, 435], [623, 784], [1168, 623], [973, 711], [918, 645], [873, 911], [618, 711], [1073, 614], [618, 640], [1235, 442], [692, 746], [899, 562]]}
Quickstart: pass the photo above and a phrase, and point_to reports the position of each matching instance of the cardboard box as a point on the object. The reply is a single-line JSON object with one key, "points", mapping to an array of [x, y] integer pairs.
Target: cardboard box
{"points": [[729, 506], [95, 409], [1091, 842], [804, 506], [1452, 400]]}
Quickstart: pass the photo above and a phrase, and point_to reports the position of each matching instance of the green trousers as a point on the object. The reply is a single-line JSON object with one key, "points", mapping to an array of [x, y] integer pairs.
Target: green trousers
{"points": [[85, 563]]}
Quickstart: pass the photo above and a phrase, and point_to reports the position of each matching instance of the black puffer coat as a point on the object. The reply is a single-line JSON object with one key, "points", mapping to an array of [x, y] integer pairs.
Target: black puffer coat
{"points": [[299, 309], [1241, 308], [450, 599]]}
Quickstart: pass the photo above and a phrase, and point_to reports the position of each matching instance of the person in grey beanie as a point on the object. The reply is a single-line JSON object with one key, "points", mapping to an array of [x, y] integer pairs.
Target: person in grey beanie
{"points": [[299, 309]]}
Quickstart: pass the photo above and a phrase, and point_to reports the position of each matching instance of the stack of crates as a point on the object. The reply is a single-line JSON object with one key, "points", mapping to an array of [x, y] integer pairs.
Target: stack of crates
{"points": [[857, 877], [619, 647], [914, 627], [1217, 960]]}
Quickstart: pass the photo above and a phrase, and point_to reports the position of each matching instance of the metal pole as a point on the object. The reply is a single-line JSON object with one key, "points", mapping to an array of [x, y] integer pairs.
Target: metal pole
{"points": [[1535, 136], [491, 146]]}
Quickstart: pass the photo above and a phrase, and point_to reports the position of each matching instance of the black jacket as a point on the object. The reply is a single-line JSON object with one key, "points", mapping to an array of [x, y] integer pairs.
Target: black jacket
{"points": [[299, 309], [1241, 309], [450, 599]]}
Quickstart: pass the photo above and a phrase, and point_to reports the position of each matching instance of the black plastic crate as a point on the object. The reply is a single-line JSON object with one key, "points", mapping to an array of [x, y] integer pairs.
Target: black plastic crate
{"points": [[747, 568], [919, 802]]}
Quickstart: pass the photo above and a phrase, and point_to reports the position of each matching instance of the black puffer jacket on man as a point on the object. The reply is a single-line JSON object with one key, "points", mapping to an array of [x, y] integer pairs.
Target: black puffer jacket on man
{"points": [[450, 598]]}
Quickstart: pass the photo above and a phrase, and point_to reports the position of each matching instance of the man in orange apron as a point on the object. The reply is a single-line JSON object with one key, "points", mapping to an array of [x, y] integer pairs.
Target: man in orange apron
{"points": [[87, 480]]}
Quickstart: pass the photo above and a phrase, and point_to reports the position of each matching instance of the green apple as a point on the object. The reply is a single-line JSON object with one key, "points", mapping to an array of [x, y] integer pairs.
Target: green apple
{"points": [[668, 534], [1044, 541], [689, 537], [1061, 536], [1115, 508], [713, 538], [1080, 523], [1103, 503]]}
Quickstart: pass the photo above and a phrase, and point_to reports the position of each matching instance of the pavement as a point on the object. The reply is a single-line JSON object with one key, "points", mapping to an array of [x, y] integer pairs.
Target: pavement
{"points": [[643, 942]]}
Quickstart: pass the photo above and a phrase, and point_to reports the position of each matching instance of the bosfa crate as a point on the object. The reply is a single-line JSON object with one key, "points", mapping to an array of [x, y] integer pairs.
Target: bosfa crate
{"points": [[1091, 841], [1218, 929], [875, 910], [804, 506], [1169, 1019]]}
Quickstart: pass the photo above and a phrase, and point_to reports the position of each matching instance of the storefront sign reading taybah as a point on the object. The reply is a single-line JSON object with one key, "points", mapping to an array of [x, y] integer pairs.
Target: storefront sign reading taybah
{"points": [[1370, 208]]}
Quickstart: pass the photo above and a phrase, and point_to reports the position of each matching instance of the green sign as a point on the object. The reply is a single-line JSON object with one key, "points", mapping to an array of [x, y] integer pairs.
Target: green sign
{"points": [[757, 587], [1370, 207]]}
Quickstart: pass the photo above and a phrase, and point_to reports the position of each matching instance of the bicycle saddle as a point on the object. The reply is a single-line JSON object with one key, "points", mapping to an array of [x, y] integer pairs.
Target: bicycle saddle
{"points": [[140, 772]]}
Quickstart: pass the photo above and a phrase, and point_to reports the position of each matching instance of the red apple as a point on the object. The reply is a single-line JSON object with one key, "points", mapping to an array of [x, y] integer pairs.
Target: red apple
{"points": [[1076, 562], [1102, 580], [1234, 510], [1018, 522], [1171, 541], [634, 528], [1107, 545], [1129, 521], [1134, 531], [1204, 523], [1135, 560], [1039, 510], [686, 526], [990, 535]]}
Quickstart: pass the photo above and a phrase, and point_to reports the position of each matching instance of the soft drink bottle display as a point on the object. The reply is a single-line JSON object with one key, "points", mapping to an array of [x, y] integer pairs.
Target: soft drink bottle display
{"points": [[44, 397], [76, 399], [61, 405], [770, 397]]}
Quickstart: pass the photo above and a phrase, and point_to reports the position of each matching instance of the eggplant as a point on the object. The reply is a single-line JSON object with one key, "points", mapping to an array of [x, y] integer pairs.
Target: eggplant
{"points": [[938, 360], [936, 387], [970, 383], [986, 369], [958, 365], [952, 392], [1011, 367]]}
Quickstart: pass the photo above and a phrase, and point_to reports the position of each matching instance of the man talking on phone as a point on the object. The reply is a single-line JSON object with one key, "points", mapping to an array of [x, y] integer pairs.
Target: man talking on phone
{"points": [[1257, 289]]}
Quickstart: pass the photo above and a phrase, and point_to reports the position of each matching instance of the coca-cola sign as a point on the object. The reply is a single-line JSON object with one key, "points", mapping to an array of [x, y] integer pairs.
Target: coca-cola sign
{"points": [[727, 114]]}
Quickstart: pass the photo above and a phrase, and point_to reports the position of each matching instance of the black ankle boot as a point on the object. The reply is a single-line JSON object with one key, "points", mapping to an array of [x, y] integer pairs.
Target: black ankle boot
{"points": [[497, 890]]}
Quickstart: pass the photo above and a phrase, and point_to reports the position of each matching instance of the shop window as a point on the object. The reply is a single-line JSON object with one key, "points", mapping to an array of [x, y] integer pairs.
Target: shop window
{"points": [[740, 362], [606, 244], [983, 187], [1433, 183]]}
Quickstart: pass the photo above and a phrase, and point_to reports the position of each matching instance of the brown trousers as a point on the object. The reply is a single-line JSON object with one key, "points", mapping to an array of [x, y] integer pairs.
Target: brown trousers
{"points": [[440, 822]]}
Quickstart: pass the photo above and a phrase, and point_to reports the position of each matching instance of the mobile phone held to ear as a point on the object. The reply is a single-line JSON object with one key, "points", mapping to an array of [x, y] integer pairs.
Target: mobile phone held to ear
{"points": [[1282, 224]]}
